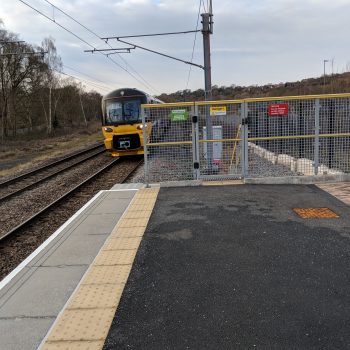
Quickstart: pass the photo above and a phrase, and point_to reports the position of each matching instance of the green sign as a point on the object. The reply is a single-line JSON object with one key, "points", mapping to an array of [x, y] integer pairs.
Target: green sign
{"points": [[179, 115]]}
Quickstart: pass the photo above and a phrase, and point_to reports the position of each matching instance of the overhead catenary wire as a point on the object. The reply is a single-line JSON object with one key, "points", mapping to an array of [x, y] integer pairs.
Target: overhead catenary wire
{"points": [[99, 37], [95, 85], [85, 42], [194, 43], [87, 75]]}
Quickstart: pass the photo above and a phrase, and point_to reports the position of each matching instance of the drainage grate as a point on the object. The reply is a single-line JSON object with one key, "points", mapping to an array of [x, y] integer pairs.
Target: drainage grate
{"points": [[316, 213]]}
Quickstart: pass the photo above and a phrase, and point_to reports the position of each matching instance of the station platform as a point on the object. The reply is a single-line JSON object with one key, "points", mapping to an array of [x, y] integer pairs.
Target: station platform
{"points": [[203, 267]]}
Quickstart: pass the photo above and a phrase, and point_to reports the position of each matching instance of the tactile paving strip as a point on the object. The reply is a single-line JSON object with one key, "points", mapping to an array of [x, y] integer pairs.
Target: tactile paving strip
{"points": [[106, 274], [92, 296], [85, 322], [82, 324], [133, 222], [127, 232], [115, 257], [74, 345], [136, 214], [316, 213], [118, 243]]}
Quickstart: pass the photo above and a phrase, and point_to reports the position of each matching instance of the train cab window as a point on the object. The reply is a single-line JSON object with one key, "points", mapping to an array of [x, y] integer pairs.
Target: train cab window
{"points": [[114, 112], [132, 110]]}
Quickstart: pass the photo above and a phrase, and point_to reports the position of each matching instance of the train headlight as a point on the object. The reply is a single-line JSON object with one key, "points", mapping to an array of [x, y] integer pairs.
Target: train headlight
{"points": [[108, 129], [140, 127]]}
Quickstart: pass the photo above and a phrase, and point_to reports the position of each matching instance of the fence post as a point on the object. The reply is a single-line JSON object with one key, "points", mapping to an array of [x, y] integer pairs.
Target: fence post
{"points": [[244, 136], [145, 148], [195, 141], [317, 136]]}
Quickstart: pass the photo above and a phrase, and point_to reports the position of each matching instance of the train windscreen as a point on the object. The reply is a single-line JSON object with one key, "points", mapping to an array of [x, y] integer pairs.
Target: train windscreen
{"points": [[123, 112]]}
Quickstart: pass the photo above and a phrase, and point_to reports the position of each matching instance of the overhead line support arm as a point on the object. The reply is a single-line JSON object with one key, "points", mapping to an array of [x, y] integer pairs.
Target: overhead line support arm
{"points": [[143, 35], [161, 54]]}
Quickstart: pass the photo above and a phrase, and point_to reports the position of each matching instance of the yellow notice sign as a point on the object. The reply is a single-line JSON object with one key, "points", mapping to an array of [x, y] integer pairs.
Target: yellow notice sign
{"points": [[218, 110]]}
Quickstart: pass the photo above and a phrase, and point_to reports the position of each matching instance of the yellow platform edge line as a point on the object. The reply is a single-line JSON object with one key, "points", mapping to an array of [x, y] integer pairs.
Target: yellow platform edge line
{"points": [[222, 183], [89, 312]]}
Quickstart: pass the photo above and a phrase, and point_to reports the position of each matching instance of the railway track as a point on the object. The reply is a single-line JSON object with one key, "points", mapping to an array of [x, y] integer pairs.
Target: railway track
{"points": [[20, 241], [28, 180]]}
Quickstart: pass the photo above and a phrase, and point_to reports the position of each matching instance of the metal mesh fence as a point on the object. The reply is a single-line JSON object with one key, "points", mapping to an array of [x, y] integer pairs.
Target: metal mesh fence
{"points": [[306, 140], [334, 153], [220, 150], [277, 144], [169, 155], [292, 136]]}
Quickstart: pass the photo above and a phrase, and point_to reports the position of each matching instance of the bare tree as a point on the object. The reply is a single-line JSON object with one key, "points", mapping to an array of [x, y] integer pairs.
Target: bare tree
{"points": [[54, 63], [16, 63], [32, 92]]}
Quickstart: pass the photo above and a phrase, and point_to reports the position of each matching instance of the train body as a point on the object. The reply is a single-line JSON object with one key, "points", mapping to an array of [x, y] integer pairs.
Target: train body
{"points": [[122, 121]]}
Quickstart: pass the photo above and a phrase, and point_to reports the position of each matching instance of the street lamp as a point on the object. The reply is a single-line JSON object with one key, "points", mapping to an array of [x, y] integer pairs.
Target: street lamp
{"points": [[324, 75]]}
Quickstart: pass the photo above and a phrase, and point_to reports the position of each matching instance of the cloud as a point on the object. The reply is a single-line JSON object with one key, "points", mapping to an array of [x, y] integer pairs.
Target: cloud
{"points": [[256, 41]]}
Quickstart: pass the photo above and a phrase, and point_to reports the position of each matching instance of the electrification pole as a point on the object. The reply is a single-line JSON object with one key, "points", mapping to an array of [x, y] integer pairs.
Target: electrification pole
{"points": [[207, 30]]}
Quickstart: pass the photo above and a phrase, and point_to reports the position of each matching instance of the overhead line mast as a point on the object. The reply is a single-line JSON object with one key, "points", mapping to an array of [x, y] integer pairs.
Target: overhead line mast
{"points": [[207, 30]]}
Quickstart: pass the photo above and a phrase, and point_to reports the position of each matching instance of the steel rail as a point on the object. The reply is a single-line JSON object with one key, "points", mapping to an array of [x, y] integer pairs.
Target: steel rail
{"points": [[25, 188], [132, 171], [33, 172], [55, 202]]}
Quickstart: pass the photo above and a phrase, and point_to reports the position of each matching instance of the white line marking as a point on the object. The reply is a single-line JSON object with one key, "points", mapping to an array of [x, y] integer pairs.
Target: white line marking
{"points": [[25, 262], [123, 190]]}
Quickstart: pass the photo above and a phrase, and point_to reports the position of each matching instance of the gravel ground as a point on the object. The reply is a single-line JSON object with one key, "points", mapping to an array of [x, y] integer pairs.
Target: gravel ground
{"points": [[16, 248], [162, 170], [260, 167], [179, 168], [39, 164], [19, 208], [42, 174]]}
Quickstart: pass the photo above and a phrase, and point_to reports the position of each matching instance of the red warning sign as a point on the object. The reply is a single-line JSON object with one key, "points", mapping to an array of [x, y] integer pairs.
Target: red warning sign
{"points": [[278, 109]]}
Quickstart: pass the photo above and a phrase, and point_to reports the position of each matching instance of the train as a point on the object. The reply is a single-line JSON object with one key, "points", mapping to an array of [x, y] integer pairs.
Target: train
{"points": [[122, 121]]}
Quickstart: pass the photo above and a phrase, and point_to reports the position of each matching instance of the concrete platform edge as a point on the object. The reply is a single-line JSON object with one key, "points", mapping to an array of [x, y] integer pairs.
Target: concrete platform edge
{"points": [[286, 180], [83, 279], [25, 262], [298, 180]]}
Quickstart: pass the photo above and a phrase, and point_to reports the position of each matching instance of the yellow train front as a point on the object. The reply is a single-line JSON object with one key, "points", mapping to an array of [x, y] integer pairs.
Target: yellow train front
{"points": [[122, 121]]}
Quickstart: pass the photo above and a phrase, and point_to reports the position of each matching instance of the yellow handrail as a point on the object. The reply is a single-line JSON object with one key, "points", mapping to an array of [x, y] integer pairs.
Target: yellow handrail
{"points": [[252, 99]]}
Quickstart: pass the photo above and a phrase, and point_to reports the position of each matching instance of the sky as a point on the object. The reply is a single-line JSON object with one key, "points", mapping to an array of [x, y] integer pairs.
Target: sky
{"points": [[254, 41]]}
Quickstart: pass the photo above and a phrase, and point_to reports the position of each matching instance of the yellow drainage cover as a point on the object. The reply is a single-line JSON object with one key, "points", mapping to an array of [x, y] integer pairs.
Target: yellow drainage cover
{"points": [[316, 213]]}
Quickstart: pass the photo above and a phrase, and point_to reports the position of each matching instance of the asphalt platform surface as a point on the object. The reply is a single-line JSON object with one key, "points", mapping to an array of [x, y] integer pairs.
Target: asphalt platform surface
{"points": [[234, 267]]}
